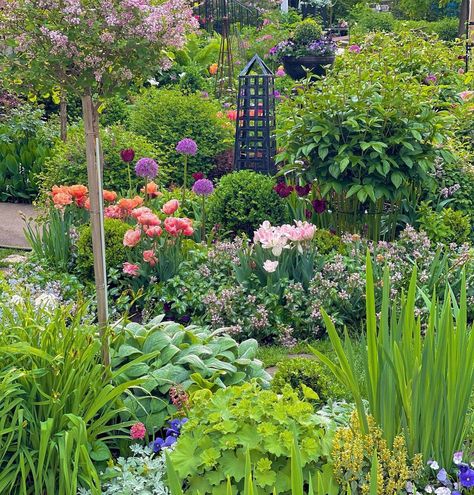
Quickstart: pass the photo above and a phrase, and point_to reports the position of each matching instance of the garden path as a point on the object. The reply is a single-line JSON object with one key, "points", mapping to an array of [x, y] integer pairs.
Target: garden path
{"points": [[12, 224]]}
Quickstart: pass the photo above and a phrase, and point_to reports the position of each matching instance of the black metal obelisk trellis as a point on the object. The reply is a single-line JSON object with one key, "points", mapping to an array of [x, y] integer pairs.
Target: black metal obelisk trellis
{"points": [[255, 143]]}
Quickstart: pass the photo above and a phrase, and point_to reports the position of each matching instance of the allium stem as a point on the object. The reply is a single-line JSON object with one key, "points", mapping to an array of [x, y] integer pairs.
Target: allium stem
{"points": [[203, 219], [185, 179]]}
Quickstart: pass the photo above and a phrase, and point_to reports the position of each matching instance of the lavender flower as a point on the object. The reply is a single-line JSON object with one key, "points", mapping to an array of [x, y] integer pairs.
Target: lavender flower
{"points": [[203, 187], [187, 146], [146, 167]]}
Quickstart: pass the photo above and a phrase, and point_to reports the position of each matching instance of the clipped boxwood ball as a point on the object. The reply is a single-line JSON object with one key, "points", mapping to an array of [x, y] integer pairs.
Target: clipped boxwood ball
{"points": [[243, 200], [115, 251]]}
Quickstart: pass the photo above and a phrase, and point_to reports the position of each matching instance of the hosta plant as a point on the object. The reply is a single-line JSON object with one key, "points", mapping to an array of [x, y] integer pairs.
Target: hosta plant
{"points": [[246, 421], [190, 358]]}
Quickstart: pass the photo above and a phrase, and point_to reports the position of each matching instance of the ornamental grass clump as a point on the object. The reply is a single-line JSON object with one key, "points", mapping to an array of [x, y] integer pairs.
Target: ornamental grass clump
{"points": [[419, 380]]}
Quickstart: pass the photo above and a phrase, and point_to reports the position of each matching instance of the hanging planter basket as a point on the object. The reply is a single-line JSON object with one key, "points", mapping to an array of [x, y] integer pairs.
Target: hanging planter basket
{"points": [[295, 66]]}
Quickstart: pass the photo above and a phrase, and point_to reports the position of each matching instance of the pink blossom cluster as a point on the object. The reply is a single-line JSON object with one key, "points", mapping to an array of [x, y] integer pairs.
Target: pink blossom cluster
{"points": [[103, 41], [285, 236]]}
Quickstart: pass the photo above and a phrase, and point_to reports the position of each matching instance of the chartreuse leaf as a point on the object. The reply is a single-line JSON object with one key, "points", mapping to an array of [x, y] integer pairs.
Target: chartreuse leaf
{"points": [[296, 469], [173, 478]]}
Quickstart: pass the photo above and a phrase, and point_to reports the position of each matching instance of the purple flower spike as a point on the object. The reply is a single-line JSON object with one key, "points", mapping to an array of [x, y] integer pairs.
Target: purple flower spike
{"points": [[146, 167], [187, 146], [203, 187]]}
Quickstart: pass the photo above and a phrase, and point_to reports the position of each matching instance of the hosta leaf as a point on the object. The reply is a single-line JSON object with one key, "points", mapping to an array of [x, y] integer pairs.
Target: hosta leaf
{"points": [[248, 349], [194, 361], [156, 341], [99, 451], [128, 350]]}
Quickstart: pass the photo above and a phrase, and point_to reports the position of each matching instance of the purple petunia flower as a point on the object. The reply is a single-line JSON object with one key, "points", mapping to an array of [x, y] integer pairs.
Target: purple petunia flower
{"points": [[442, 475], [466, 476], [203, 187], [146, 167], [187, 146]]}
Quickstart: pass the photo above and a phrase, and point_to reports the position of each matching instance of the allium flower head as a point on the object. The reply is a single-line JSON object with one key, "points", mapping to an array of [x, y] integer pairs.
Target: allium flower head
{"points": [[187, 146], [127, 155], [203, 187], [146, 167]]}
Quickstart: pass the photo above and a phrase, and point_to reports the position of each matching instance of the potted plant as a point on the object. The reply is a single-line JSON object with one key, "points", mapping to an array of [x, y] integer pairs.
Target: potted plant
{"points": [[307, 50]]}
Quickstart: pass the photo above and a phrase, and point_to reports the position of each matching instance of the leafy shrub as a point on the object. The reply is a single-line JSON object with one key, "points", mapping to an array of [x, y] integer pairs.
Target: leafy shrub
{"points": [[307, 31], [223, 427], [326, 242], [167, 116], [115, 252], [446, 29], [67, 164], [116, 111], [303, 374], [243, 200], [392, 134], [444, 226], [191, 357], [368, 20], [25, 144], [353, 451]]}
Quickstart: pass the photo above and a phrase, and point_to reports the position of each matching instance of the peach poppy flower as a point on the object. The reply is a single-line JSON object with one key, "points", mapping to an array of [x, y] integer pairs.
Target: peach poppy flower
{"points": [[109, 196], [151, 190]]}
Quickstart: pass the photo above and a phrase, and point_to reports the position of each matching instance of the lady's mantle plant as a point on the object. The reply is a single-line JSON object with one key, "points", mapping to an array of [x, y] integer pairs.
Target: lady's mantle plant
{"points": [[225, 426]]}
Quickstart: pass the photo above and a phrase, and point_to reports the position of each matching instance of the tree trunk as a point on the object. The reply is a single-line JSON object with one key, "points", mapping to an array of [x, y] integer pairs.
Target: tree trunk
{"points": [[63, 117], [463, 16], [94, 176]]}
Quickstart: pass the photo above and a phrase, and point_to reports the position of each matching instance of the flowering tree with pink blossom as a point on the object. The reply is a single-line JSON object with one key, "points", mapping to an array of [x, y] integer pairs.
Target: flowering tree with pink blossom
{"points": [[91, 48]]}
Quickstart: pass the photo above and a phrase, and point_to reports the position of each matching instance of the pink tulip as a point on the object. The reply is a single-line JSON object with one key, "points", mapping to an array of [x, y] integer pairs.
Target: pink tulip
{"points": [[131, 269], [131, 238], [170, 207], [149, 257]]}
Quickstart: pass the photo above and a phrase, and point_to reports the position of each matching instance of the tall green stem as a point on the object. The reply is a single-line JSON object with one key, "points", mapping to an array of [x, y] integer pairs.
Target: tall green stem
{"points": [[185, 179]]}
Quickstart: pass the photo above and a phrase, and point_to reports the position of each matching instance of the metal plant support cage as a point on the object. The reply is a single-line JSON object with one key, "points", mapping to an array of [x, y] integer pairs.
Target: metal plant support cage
{"points": [[255, 142]]}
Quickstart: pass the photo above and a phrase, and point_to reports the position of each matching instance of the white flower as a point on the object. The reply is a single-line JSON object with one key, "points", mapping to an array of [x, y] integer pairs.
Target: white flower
{"points": [[433, 465], [270, 266], [46, 301], [16, 300], [428, 489], [443, 491], [457, 457]]}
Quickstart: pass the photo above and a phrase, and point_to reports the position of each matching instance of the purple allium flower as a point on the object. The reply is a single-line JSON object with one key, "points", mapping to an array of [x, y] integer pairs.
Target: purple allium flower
{"points": [[354, 48], [431, 79], [466, 476], [146, 167], [187, 146], [127, 155], [203, 187]]}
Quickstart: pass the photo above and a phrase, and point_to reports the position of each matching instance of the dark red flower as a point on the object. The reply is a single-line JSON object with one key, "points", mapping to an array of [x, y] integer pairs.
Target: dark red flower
{"points": [[319, 205], [198, 176], [127, 155], [303, 191], [308, 214], [283, 190]]}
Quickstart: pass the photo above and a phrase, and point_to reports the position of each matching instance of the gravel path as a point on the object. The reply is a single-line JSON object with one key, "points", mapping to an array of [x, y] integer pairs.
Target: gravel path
{"points": [[12, 225]]}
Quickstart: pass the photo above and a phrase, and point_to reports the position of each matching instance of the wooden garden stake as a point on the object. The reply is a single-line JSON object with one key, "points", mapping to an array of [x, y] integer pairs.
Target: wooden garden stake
{"points": [[94, 177]]}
